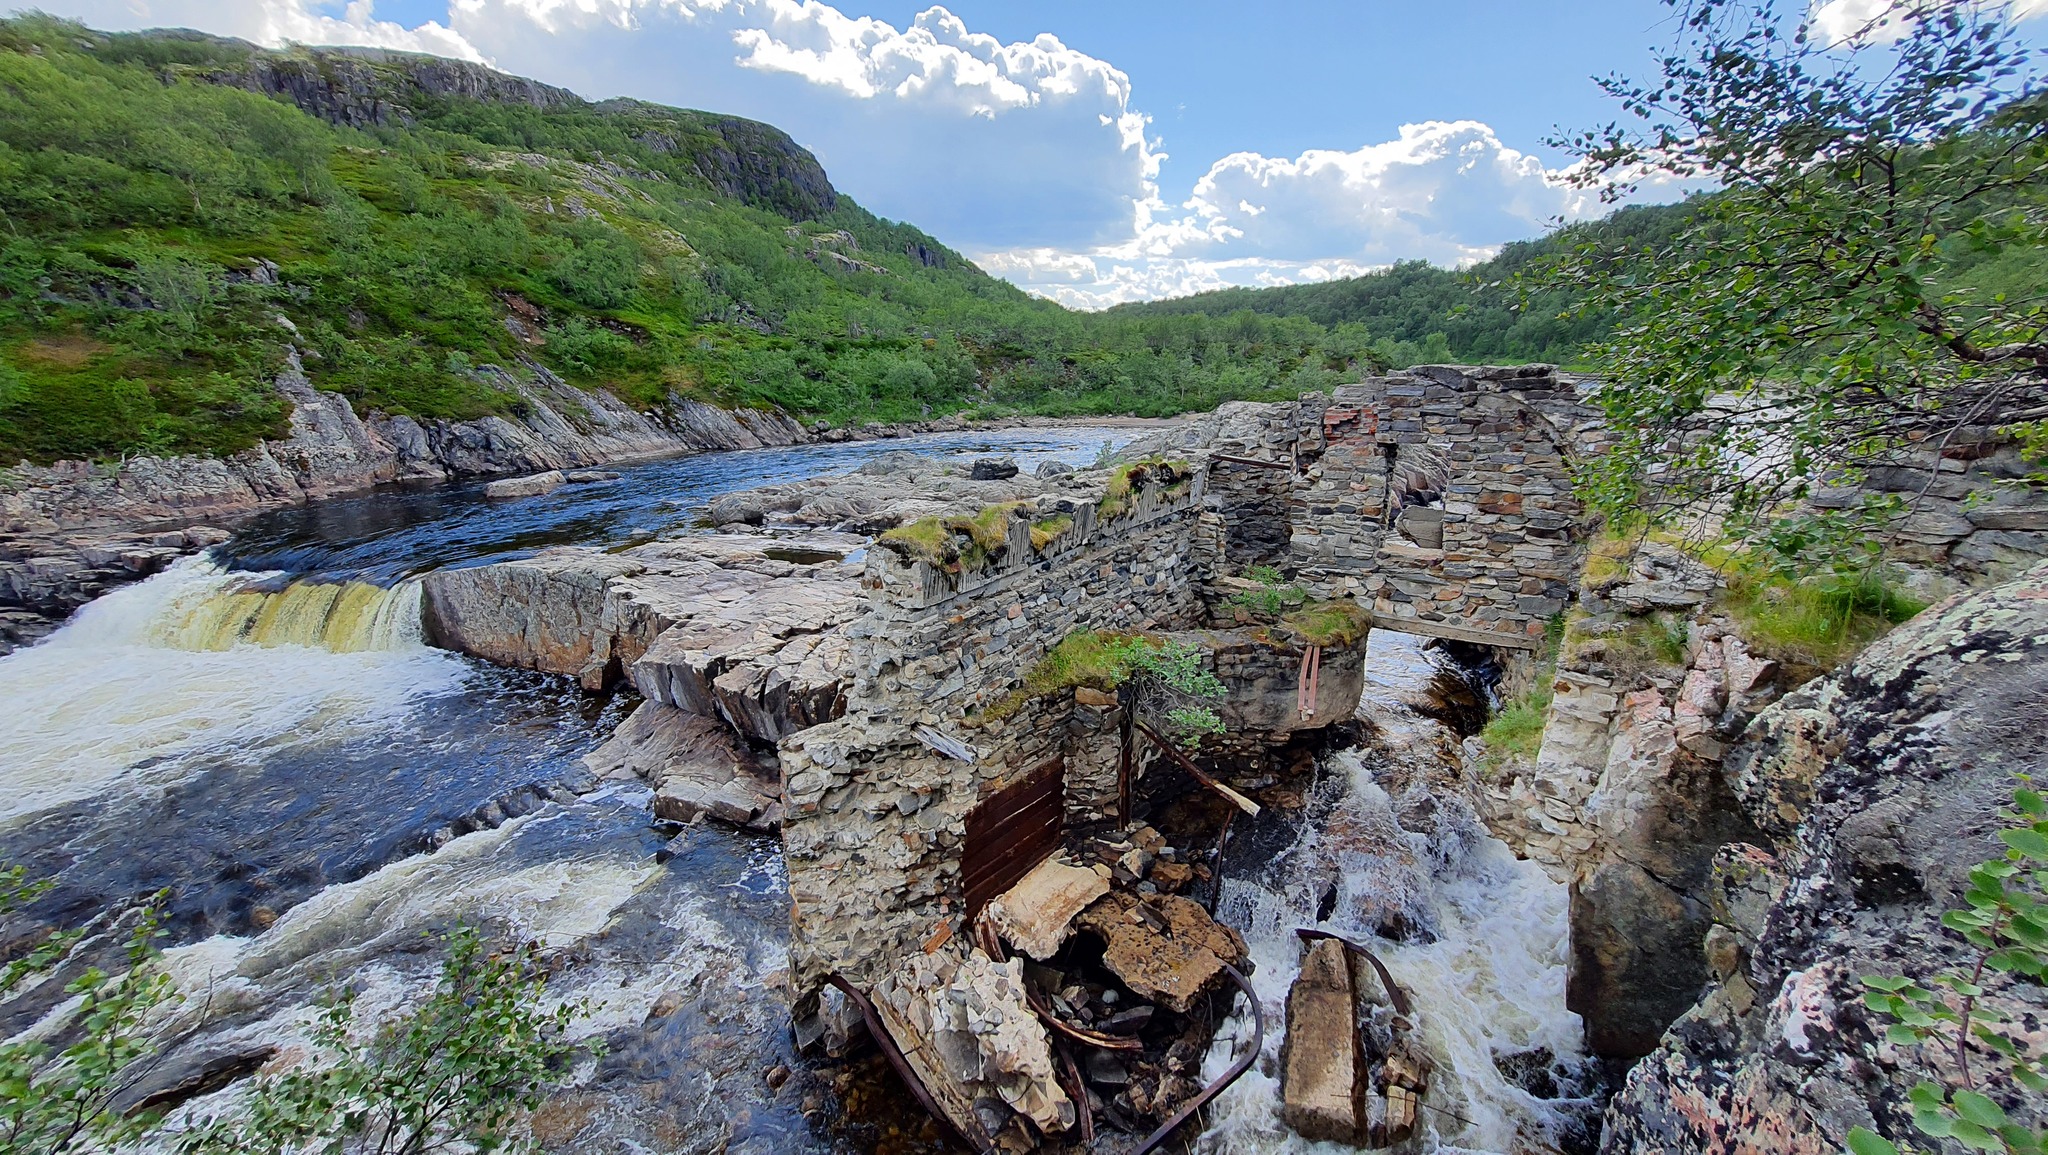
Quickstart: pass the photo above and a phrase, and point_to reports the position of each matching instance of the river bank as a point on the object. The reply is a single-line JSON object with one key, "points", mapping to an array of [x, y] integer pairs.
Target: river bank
{"points": [[72, 531]]}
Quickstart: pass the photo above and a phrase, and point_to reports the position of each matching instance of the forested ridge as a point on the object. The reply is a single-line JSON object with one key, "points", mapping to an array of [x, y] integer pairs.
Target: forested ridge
{"points": [[183, 211], [179, 213]]}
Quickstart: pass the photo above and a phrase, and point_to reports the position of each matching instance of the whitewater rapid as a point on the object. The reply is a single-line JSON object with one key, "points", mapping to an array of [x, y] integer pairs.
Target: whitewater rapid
{"points": [[200, 660], [1485, 967]]}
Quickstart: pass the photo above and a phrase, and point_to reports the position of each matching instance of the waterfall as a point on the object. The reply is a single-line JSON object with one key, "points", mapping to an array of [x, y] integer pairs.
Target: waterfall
{"points": [[201, 661], [346, 617], [1389, 846]]}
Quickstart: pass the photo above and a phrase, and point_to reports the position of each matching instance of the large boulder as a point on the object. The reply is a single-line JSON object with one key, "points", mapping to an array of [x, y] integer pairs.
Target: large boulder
{"points": [[1880, 787]]}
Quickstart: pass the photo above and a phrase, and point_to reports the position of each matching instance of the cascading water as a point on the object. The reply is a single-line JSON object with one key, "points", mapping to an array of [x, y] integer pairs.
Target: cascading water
{"points": [[1387, 846], [197, 660]]}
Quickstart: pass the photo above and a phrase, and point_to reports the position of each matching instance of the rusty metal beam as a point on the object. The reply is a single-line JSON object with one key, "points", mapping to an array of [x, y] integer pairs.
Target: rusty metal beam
{"points": [[1394, 991], [979, 1141]]}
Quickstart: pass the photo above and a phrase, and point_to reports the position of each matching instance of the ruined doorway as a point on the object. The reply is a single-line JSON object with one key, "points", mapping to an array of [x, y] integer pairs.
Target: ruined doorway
{"points": [[1012, 831]]}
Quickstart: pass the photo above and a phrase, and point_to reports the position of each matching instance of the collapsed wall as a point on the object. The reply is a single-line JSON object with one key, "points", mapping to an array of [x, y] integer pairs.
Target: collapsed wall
{"points": [[876, 815]]}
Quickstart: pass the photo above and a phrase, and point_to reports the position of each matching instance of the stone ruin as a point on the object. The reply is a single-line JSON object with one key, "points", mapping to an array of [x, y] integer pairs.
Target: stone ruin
{"points": [[917, 788]]}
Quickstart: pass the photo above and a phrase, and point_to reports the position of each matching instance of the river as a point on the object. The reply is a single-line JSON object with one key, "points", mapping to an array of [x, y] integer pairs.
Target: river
{"points": [[261, 734]]}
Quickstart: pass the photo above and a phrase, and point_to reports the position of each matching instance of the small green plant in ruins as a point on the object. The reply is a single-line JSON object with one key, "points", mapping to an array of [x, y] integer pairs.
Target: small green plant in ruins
{"points": [[2005, 919], [1275, 595], [1167, 680], [1171, 684]]}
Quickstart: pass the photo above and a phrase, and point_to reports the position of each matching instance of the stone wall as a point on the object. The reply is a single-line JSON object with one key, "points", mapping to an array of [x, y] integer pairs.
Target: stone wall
{"points": [[876, 817], [1967, 518], [1440, 498]]}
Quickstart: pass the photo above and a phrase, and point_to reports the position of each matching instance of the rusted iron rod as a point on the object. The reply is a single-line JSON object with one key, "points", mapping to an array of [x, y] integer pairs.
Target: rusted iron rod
{"points": [[1286, 465], [1077, 1090], [1184, 762], [1239, 1067], [891, 1052], [991, 943], [1394, 991], [1079, 1034]]}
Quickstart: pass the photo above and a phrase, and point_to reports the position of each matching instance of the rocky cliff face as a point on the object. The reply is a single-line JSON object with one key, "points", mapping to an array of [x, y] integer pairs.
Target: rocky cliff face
{"points": [[73, 530], [744, 159], [1876, 789], [360, 87]]}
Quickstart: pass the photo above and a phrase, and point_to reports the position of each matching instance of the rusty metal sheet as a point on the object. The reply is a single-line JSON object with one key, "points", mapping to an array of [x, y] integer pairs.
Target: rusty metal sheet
{"points": [[1011, 832]]}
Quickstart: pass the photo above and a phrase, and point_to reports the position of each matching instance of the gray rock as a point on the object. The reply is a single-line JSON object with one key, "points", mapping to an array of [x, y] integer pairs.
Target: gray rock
{"points": [[1880, 787], [1053, 469], [589, 476], [993, 469], [534, 486]]}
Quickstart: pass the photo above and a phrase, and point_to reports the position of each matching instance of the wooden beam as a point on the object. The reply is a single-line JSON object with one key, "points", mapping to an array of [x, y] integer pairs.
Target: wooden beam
{"points": [[1184, 762], [1455, 633]]}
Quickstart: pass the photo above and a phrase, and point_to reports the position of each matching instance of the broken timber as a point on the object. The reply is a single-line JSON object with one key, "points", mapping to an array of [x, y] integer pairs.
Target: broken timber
{"points": [[1184, 762]]}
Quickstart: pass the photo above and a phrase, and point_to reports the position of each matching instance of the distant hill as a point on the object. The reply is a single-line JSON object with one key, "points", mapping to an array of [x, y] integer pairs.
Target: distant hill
{"points": [[1418, 313], [184, 213]]}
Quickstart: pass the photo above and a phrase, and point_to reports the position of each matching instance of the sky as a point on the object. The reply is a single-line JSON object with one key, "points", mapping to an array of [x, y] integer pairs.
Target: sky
{"points": [[1093, 151]]}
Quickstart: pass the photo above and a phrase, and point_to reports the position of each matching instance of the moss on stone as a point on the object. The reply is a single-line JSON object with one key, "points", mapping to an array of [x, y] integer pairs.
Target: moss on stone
{"points": [[957, 544], [1044, 533], [1336, 622], [1126, 480]]}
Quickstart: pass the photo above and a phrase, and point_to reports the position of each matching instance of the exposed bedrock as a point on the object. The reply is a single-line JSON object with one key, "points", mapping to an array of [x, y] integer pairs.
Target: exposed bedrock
{"points": [[709, 623], [1875, 790], [695, 763], [331, 450]]}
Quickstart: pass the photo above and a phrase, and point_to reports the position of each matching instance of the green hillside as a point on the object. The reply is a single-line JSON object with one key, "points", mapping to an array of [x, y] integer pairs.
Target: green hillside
{"points": [[180, 211], [1417, 313]]}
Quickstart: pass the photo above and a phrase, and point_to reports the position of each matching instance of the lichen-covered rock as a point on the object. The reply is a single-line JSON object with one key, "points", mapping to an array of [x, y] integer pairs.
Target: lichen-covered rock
{"points": [[1881, 786]]}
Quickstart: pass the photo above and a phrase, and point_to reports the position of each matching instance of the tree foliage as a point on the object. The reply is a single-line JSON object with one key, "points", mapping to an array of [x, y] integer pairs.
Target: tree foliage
{"points": [[1849, 295], [60, 1098], [457, 1073]]}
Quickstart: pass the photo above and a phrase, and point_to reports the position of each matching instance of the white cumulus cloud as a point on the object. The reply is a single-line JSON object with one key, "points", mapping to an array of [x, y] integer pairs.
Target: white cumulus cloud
{"points": [[1881, 20], [270, 22], [1447, 192]]}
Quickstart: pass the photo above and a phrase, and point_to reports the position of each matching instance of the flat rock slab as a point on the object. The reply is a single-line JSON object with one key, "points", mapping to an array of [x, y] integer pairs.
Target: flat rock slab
{"points": [[1164, 948], [696, 765], [533, 486], [1319, 1068], [1038, 913]]}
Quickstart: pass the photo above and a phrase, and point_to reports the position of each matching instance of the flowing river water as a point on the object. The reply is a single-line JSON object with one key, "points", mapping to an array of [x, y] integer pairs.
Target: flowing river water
{"points": [[262, 735]]}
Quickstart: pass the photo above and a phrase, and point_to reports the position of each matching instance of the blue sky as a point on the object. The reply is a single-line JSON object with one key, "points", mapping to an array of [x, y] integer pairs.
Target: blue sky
{"points": [[1094, 151]]}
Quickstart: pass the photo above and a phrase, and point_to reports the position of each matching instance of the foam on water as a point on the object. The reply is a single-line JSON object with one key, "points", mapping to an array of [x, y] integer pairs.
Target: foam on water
{"points": [[198, 660], [1492, 983]]}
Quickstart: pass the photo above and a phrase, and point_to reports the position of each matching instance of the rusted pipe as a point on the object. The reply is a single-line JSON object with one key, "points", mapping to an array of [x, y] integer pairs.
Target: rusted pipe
{"points": [[991, 942], [1394, 991], [1079, 1034], [887, 1042], [1077, 1090], [1239, 1067]]}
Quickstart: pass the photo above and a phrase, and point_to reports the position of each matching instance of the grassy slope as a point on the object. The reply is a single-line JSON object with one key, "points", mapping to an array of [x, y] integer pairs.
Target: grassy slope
{"points": [[139, 197]]}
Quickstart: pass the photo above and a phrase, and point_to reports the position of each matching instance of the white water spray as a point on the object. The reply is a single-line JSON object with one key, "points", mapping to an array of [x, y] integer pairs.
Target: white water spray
{"points": [[197, 660], [1485, 967]]}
